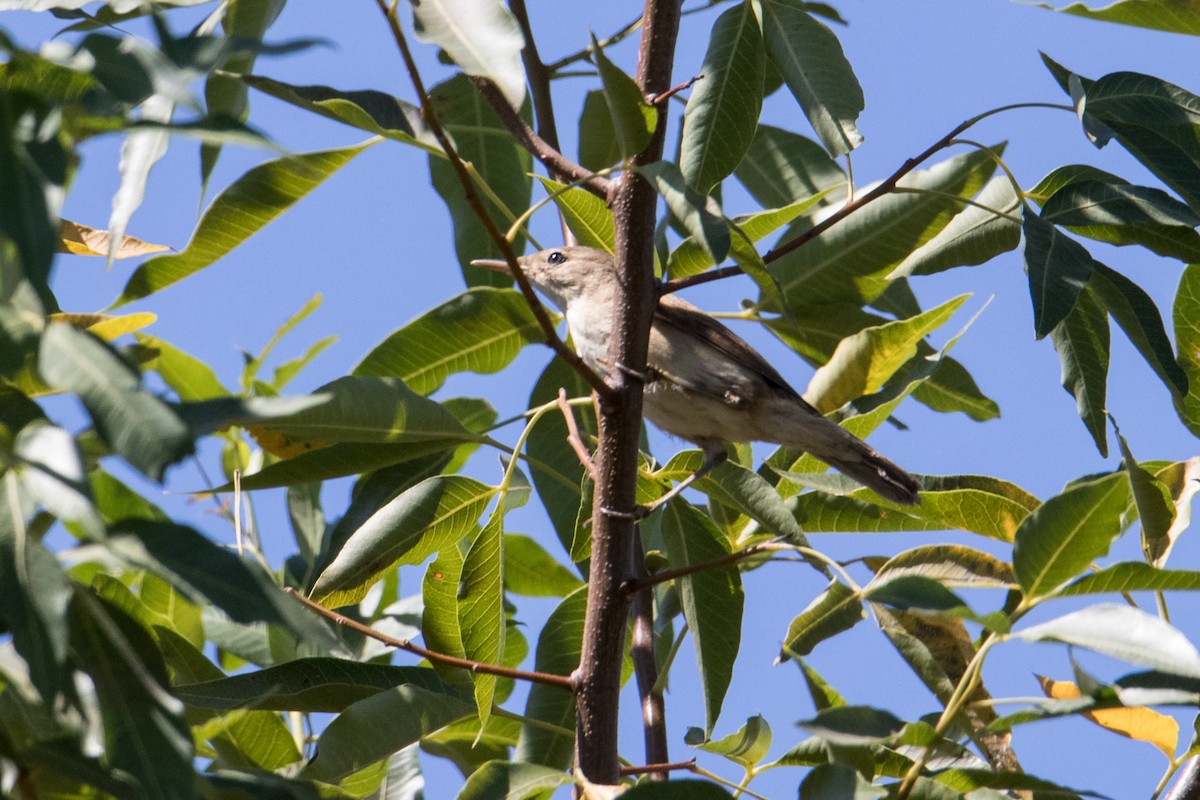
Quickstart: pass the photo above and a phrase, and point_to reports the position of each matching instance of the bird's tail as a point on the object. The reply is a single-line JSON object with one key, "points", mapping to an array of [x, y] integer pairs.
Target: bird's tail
{"points": [[864, 464]]}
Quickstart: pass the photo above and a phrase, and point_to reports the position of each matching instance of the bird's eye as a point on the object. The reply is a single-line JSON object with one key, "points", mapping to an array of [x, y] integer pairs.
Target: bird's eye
{"points": [[556, 258]]}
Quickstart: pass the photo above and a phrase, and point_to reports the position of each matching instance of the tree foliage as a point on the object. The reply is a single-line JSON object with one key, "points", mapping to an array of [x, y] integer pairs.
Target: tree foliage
{"points": [[142, 659]]}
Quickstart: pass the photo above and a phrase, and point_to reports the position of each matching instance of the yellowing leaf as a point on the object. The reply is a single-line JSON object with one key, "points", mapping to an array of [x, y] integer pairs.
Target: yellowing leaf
{"points": [[281, 445], [1140, 723], [108, 326], [81, 240]]}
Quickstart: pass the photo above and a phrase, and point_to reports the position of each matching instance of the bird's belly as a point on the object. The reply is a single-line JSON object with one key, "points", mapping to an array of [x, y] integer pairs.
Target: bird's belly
{"points": [[695, 417]]}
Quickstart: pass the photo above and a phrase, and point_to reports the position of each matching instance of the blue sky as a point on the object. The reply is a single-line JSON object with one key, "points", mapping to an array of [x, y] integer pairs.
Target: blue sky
{"points": [[375, 241]]}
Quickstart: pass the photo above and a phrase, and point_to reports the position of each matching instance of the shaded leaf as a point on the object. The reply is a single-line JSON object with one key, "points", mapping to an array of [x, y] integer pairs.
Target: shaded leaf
{"points": [[700, 215], [722, 111], [598, 146], [712, 599], [1058, 269], [559, 646], [1160, 15], [808, 55], [430, 516], [1082, 342], [506, 780], [1138, 316], [781, 167], [633, 119], [853, 725], [1186, 320]]}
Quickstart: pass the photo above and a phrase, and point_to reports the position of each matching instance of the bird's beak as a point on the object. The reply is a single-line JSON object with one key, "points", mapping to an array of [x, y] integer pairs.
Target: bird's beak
{"points": [[499, 265]]}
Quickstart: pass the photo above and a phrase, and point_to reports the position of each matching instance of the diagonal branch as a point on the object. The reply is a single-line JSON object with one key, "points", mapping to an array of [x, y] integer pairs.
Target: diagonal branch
{"points": [[558, 164], [472, 196], [544, 678]]}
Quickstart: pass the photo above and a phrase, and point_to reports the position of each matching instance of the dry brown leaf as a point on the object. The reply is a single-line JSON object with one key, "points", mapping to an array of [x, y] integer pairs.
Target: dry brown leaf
{"points": [[81, 240], [1138, 722]]}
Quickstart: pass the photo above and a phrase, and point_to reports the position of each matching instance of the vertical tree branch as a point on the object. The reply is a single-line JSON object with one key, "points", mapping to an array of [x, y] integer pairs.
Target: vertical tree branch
{"points": [[645, 668], [633, 203]]}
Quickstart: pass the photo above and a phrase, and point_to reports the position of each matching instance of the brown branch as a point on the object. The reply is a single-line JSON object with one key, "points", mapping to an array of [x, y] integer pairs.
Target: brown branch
{"points": [[662, 576], [1188, 785], [544, 678], [665, 767], [883, 188], [645, 669], [573, 437], [473, 200], [633, 202], [556, 162]]}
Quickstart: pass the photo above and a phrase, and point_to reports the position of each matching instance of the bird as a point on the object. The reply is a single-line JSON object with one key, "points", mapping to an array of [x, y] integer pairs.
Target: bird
{"points": [[703, 382]]}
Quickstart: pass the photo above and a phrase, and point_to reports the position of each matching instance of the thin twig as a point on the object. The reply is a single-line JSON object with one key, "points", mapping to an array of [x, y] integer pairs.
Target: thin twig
{"points": [[544, 678], [558, 164], [580, 55], [667, 766], [573, 437], [659, 99], [662, 576], [883, 188], [435, 127]]}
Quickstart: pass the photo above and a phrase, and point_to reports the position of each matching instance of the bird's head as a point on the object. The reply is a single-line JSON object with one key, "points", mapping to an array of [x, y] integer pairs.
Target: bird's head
{"points": [[564, 274]]}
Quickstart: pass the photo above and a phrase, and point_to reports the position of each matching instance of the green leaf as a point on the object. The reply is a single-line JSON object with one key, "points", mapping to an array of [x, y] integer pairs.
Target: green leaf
{"points": [[310, 685], [588, 216], [430, 516], [559, 646], [375, 112], [1153, 501], [598, 147], [506, 780], [211, 574], [26, 184], [862, 363], [1181, 482], [373, 728], [1058, 269], [833, 611], [808, 55], [532, 572], [850, 262], [481, 615], [974, 236], [481, 331], [747, 747], [691, 258], [482, 140], [970, 780], [1059, 540], [1082, 342], [190, 378], [951, 565], [829, 781], [133, 422], [1159, 15], [372, 410], [700, 215], [781, 167], [722, 111], [1138, 316], [735, 486], [921, 595], [145, 734], [633, 119], [1122, 632], [1155, 121], [1186, 318], [1119, 213], [34, 593], [853, 725], [1132, 576], [243, 209], [481, 36], [712, 599], [439, 613]]}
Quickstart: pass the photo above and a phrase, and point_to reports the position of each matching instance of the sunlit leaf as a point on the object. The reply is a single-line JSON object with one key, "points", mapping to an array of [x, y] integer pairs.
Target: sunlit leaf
{"points": [[633, 120], [531, 571], [247, 206], [747, 746], [1140, 723], [481, 615], [558, 648], [835, 610], [81, 240], [481, 36], [1186, 319], [1160, 15]]}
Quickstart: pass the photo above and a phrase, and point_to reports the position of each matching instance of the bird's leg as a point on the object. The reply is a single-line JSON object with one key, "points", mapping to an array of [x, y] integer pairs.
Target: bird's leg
{"points": [[713, 458]]}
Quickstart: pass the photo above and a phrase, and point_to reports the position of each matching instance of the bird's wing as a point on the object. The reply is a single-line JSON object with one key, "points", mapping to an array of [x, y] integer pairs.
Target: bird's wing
{"points": [[680, 317]]}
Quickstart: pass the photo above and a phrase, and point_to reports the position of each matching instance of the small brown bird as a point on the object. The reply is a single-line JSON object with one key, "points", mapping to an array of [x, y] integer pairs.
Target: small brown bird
{"points": [[704, 383]]}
